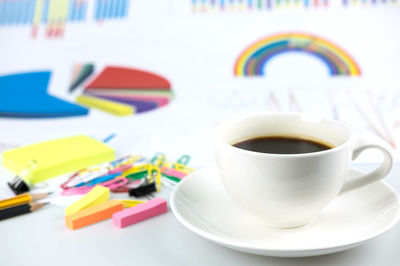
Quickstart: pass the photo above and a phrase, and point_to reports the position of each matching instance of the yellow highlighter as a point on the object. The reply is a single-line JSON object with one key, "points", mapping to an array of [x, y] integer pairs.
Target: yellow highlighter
{"points": [[97, 195]]}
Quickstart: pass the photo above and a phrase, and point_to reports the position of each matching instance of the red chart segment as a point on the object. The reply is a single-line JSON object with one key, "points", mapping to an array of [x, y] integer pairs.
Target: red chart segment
{"points": [[141, 89], [127, 78]]}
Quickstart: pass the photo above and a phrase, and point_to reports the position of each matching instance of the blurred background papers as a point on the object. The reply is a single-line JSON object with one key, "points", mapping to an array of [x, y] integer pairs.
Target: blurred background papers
{"points": [[195, 46]]}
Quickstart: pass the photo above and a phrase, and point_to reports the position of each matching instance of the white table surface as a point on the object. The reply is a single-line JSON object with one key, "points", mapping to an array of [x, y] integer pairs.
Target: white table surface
{"points": [[41, 238]]}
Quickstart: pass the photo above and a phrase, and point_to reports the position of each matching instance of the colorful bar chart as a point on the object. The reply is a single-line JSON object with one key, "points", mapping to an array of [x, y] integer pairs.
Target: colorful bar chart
{"points": [[254, 5], [248, 5], [55, 14], [110, 9], [350, 3]]}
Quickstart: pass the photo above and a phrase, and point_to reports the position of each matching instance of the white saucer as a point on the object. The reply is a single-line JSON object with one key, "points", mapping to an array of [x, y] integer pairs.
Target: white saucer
{"points": [[201, 204]]}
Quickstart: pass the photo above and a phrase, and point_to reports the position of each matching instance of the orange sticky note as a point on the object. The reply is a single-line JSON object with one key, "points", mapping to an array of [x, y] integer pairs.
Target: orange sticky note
{"points": [[93, 214]]}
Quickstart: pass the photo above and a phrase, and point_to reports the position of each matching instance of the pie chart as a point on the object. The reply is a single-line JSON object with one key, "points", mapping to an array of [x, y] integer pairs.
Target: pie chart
{"points": [[125, 91], [117, 90]]}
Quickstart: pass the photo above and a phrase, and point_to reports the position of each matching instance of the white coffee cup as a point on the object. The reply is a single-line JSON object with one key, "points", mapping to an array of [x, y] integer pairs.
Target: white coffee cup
{"points": [[289, 190]]}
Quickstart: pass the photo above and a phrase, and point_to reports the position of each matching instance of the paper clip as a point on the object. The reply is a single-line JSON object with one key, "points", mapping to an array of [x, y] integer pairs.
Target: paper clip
{"points": [[130, 173], [120, 168], [129, 185], [183, 168], [129, 159], [171, 172], [116, 183], [138, 176], [156, 157], [159, 159], [111, 184], [76, 191], [95, 168], [172, 178], [90, 174], [101, 179], [82, 177], [184, 159]]}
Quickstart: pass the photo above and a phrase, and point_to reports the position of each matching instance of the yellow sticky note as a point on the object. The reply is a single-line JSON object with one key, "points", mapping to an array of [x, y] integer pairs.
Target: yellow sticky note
{"points": [[95, 196], [57, 157], [105, 105]]}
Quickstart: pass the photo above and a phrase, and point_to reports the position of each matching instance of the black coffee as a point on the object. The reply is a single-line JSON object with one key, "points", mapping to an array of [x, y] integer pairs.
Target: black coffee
{"points": [[282, 145]]}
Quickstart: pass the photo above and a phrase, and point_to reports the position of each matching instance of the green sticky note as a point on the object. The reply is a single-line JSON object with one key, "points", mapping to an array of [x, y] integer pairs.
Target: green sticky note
{"points": [[57, 157]]}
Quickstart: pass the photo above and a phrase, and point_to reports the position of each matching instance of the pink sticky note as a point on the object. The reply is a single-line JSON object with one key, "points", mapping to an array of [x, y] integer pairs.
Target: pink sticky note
{"points": [[140, 212]]}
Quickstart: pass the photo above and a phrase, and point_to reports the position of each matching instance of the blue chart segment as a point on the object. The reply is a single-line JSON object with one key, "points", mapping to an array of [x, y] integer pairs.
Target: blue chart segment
{"points": [[24, 95], [55, 14]]}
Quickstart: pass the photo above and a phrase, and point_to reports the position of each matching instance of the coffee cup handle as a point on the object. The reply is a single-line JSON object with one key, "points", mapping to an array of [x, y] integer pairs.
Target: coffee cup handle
{"points": [[379, 173]]}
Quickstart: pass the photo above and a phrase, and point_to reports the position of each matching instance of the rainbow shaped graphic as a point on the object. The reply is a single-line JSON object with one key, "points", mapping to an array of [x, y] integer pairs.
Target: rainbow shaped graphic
{"points": [[253, 59]]}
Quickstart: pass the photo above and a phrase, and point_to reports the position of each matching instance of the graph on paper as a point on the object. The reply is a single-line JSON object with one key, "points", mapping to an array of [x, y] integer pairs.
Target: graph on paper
{"points": [[204, 5], [368, 112], [55, 14], [259, 5]]}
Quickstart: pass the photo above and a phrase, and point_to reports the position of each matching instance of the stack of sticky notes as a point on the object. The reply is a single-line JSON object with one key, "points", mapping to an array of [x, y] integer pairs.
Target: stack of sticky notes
{"points": [[95, 206], [57, 157], [93, 214]]}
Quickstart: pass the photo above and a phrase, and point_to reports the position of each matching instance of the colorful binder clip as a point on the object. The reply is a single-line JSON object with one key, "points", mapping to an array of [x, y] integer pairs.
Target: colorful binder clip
{"points": [[18, 185], [143, 190]]}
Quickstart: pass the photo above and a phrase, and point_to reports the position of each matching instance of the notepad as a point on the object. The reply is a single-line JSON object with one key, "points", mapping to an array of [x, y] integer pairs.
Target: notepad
{"points": [[57, 157]]}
